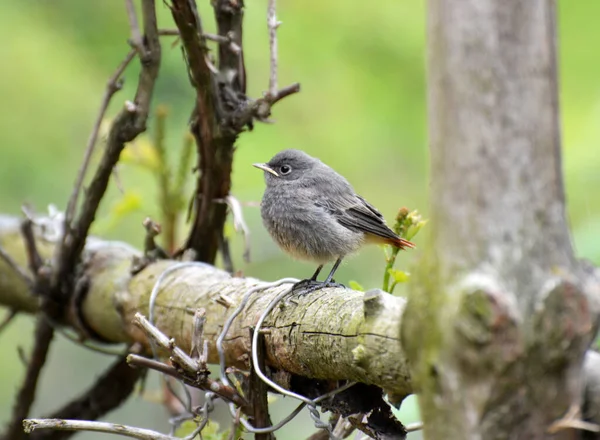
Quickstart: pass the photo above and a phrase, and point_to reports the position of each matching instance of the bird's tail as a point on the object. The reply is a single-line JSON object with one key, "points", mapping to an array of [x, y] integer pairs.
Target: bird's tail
{"points": [[402, 243]]}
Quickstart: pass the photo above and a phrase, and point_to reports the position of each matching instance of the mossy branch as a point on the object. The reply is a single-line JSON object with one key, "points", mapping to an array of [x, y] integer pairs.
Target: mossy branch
{"points": [[333, 334]]}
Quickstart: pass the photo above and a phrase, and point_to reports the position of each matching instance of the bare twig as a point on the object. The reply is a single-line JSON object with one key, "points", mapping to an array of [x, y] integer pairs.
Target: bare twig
{"points": [[26, 395], [23, 356], [27, 279], [33, 256], [257, 392], [130, 122], [109, 392], [226, 393], [113, 85], [168, 32], [239, 224], [572, 420], [10, 315], [417, 426], [136, 37], [273, 24], [30, 425]]}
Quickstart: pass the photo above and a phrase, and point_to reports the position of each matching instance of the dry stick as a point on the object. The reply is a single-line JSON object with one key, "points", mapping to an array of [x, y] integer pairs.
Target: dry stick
{"points": [[258, 393], [112, 86], [184, 362], [26, 395], [417, 426], [226, 393], [239, 224], [107, 393], [8, 319], [81, 425], [136, 37], [130, 122], [33, 256], [273, 24]]}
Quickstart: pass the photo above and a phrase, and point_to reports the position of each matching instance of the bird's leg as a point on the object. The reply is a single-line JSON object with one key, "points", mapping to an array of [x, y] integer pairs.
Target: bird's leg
{"points": [[310, 281], [316, 274], [308, 286], [329, 280]]}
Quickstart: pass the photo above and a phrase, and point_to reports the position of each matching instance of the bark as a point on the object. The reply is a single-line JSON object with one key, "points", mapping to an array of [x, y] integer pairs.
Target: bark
{"points": [[334, 334], [501, 312]]}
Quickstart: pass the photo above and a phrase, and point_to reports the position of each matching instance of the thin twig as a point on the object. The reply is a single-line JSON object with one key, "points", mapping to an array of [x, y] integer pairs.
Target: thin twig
{"points": [[417, 426], [257, 393], [113, 85], [130, 122], [15, 266], [273, 24], [10, 315], [572, 420], [168, 32], [136, 37], [106, 394], [226, 393], [239, 223], [26, 395], [33, 256], [30, 425]]}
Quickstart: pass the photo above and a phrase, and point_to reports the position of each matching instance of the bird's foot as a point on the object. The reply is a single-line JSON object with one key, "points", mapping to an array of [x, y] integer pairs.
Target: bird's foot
{"points": [[307, 286]]}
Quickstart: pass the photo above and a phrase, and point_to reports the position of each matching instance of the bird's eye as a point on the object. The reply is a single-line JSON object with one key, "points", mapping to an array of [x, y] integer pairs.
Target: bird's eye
{"points": [[285, 169]]}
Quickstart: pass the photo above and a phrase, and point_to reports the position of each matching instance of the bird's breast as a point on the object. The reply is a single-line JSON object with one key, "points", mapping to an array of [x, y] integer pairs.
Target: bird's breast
{"points": [[305, 230]]}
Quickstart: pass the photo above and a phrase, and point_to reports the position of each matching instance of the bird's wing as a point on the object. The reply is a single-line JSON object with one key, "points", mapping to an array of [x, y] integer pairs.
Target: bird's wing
{"points": [[357, 214]]}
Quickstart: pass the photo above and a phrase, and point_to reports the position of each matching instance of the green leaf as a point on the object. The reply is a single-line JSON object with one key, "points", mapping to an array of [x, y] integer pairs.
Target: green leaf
{"points": [[399, 275], [211, 431], [186, 428], [354, 285]]}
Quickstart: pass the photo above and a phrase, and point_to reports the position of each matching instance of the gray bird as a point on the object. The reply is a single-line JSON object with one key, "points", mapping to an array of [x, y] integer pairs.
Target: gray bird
{"points": [[313, 213]]}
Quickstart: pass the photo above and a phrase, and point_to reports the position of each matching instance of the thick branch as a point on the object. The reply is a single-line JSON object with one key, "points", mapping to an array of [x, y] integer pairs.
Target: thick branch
{"points": [[338, 334], [215, 148], [334, 334]]}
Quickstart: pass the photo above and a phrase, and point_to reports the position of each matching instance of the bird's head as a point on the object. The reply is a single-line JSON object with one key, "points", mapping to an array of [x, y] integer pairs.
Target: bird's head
{"points": [[288, 166]]}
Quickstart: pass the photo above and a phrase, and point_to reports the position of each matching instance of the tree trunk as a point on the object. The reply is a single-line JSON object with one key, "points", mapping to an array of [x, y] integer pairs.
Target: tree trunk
{"points": [[501, 313]]}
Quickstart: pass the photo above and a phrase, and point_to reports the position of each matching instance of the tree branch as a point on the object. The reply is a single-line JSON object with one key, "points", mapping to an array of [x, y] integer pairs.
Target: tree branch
{"points": [[130, 122], [113, 85], [357, 333], [26, 395], [108, 393], [257, 391], [31, 425], [214, 146], [334, 335], [221, 113]]}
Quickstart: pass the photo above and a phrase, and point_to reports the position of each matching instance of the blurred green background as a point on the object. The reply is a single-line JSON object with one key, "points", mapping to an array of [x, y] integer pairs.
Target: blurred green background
{"points": [[361, 110]]}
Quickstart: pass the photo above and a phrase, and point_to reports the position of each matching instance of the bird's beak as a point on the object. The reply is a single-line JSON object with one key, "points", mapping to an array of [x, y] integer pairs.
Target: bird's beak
{"points": [[265, 167]]}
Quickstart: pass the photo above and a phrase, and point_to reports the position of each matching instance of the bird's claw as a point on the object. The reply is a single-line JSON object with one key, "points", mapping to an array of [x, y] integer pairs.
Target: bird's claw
{"points": [[305, 287]]}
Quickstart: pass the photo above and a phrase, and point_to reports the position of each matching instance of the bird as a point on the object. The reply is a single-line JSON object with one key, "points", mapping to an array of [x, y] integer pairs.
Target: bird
{"points": [[313, 213]]}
